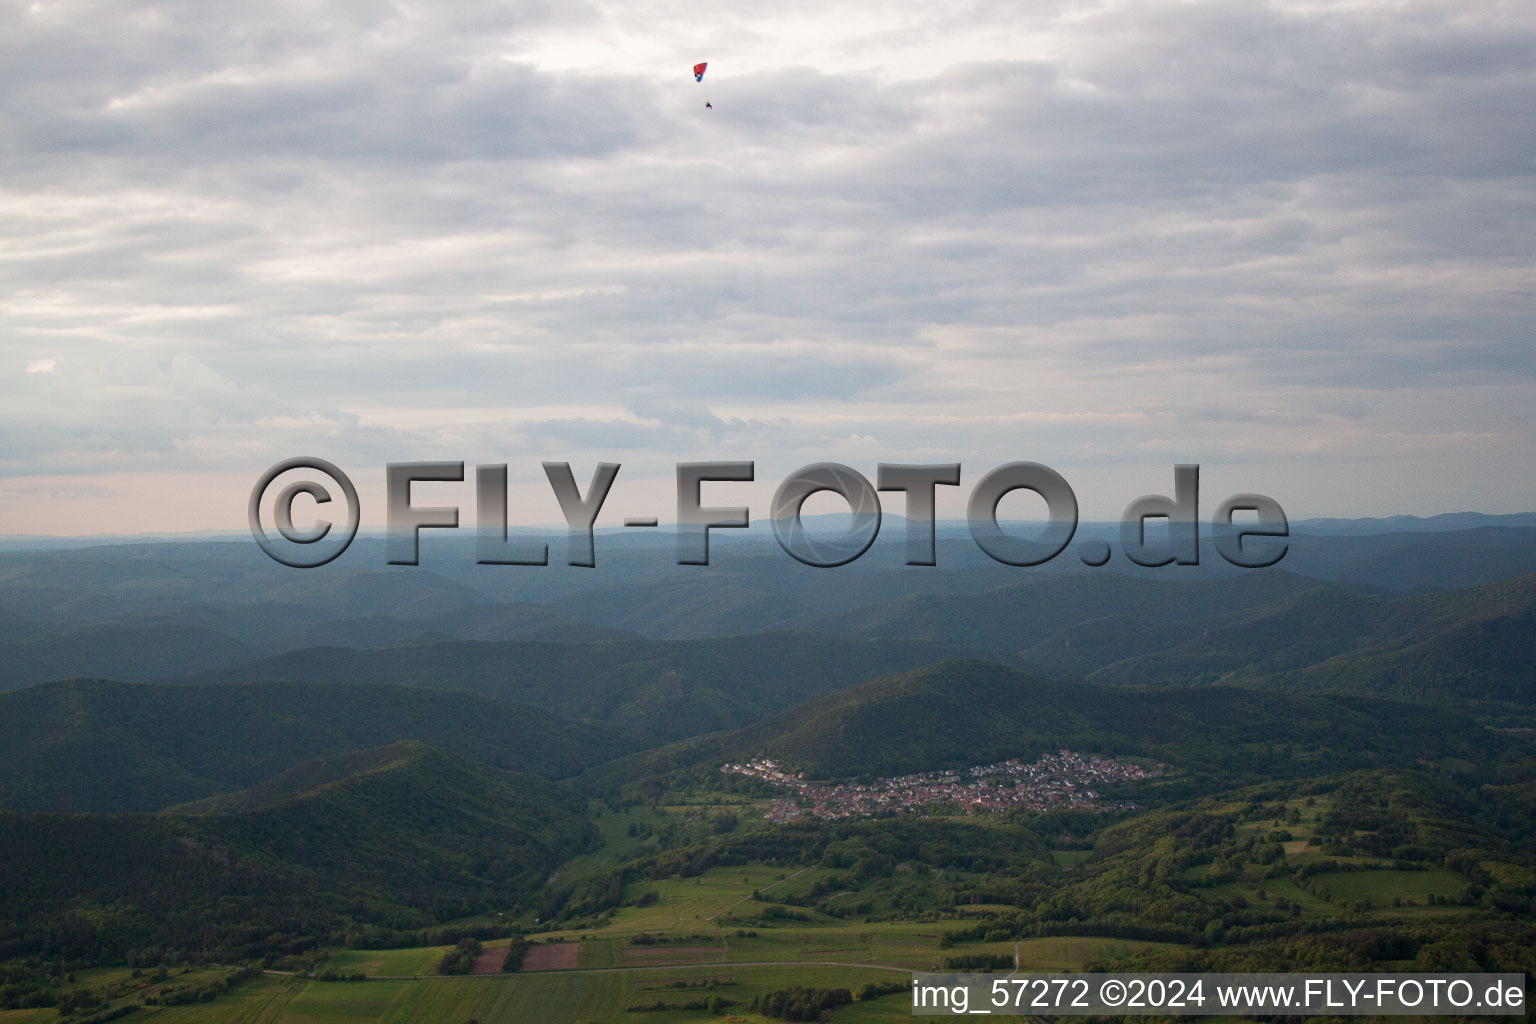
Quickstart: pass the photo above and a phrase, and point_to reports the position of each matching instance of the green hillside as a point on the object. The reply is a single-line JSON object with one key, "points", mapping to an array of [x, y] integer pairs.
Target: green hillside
{"points": [[1268, 630], [1445, 646], [662, 690], [144, 645], [123, 579], [1465, 650], [147, 644], [408, 825], [407, 837], [966, 712], [92, 745], [302, 780], [1332, 873], [1019, 616]]}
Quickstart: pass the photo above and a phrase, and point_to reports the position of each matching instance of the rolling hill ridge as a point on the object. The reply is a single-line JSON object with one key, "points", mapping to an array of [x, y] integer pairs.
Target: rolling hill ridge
{"points": [[403, 837], [93, 745]]}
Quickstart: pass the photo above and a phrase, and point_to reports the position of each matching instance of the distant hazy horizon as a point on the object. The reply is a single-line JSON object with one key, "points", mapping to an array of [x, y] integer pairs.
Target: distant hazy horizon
{"points": [[611, 525]]}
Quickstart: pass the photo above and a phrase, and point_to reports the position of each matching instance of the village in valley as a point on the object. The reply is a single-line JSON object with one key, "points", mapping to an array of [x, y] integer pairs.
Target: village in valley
{"points": [[1061, 780]]}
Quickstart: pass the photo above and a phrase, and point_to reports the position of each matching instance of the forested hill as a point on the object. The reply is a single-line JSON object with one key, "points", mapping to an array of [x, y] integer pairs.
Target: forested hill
{"points": [[965, 712], [406, 837], [1272, 630], [93, 745], [660, 689]]}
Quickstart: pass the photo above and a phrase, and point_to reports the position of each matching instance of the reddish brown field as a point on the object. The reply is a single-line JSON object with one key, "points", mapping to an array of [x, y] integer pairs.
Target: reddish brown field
{"points": [[489, 961], [555, 956]]}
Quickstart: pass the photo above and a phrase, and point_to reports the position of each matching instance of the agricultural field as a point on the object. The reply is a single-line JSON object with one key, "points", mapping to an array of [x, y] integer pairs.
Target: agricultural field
{"points": [[584, 997], [597, 997], [261, 1000], [1074, 953], [665, 920], [695, 902], [387, 963], [1383, 887]]}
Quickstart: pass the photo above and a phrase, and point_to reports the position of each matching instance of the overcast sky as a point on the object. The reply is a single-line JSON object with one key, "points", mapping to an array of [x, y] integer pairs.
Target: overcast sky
{"points": [[1290, 242]]}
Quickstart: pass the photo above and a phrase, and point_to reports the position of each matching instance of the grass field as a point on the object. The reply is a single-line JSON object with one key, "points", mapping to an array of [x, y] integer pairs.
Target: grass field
{"points": [[1070, 858], [710, 934], [1073, 953], [611, 971], [597, 997], [1381, 887], [693, 902], [385, 963], [602, 996], [614, 828], [1274, 889], [263, 1000]]}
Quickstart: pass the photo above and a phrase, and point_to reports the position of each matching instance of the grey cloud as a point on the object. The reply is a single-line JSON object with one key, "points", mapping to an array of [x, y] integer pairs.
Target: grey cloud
{"points": [[398, 208]]}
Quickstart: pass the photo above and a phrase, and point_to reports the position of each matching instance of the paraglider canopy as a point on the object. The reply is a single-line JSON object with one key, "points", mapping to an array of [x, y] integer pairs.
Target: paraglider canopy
{"points": [[698, 71]]}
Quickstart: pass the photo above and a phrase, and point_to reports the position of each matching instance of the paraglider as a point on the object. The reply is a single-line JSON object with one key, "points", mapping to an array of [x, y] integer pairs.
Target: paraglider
{"points": [[698, 76]]}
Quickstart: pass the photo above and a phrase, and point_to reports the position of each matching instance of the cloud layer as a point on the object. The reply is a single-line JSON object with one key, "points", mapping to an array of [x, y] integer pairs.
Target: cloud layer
{"points": [[1291, 240]]}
